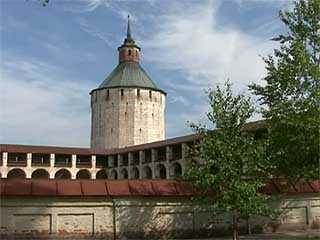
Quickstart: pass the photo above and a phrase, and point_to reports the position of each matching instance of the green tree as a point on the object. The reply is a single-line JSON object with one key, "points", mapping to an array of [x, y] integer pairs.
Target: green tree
{"points": [[290, 97], [229, 163]]}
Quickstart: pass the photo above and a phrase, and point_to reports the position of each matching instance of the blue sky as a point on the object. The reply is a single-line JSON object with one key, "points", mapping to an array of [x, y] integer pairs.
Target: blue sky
{"points": [[51, 57]]}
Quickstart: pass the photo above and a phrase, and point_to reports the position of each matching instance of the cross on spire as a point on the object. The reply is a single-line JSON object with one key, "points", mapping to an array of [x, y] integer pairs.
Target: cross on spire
{"points": [[129, 39], [128, 29]]}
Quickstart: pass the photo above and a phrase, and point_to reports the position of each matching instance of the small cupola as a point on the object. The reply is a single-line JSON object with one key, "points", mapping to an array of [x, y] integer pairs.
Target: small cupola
{"points": [[129, 51]]}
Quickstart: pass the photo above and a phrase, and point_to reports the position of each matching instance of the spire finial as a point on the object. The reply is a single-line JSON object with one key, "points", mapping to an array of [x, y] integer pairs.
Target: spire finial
{"points": [[128, 30]]}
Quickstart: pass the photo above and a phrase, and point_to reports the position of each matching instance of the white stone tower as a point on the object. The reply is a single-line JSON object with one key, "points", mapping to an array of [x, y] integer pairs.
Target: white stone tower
{"points": [[127, 108]]}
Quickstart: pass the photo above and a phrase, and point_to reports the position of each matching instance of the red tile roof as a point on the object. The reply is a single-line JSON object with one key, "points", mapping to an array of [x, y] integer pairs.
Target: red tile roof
{"points": [[99, 188], [15, 148], [67, 188], [44, 187], [145, 188], [52, 187], [90, 151], [118, 188], [280, 185], [167, 188]]}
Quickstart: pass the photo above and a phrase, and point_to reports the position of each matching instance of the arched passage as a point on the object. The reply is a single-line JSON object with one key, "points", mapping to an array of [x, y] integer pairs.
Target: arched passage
{"points": [[113, 174], [123, 174], [161, 171], [135, 173], [40, 174], [62, 174], [102, 174], [146, 173], [175, 170], [83, 174], [16, 173]]}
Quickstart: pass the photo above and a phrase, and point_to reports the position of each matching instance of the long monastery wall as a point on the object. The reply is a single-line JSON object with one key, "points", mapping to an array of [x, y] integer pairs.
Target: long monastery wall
{"points": [[137, 217]]}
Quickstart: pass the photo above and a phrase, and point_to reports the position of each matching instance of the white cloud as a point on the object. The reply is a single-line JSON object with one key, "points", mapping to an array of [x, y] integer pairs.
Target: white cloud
{"points": [[38, 106], [91, 5], [190, 41], [104, 36], [284, 4], [179, 123], [87, 5], [204, 54], [174, 97]]}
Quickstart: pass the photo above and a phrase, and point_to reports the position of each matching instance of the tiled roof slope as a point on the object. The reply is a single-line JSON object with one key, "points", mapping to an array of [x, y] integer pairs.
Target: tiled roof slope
{"points": [[129, 74], [89, 151], [53, 187]]}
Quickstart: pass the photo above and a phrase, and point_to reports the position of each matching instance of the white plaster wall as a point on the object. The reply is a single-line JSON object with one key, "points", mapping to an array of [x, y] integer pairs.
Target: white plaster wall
{"points": [[137, 216], [121, 121]]}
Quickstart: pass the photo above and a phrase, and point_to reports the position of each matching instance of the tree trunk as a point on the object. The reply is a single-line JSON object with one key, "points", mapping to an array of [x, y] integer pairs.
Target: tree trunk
{"points": [[235, 225], [249, 226]]}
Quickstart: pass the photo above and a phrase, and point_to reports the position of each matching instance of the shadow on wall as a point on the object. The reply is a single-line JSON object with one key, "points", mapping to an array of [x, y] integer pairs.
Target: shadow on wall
{"points": [[146, 215], [140, 209], [145, 218], [142, 222], [28, 222], [50, 209]]}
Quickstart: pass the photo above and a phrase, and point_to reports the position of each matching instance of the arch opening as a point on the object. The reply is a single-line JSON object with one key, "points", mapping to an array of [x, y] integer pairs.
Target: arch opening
{"points": [[113, 174], [62, 174], [102, 174], [135, 173], [83, 174], [161, 171], [175, 170], [16, 173], [124, 174], [146, 172], [40, 174]]}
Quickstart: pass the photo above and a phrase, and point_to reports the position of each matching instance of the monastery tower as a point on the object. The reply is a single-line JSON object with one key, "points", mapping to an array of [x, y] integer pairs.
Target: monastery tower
{"points": [[127, 108]]}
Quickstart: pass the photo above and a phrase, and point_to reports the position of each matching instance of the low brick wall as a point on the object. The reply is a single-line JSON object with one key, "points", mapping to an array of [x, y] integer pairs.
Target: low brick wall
{"points": [[81, 217]]}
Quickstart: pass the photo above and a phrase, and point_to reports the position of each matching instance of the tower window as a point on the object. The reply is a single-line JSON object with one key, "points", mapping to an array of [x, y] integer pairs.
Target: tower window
{"points": [[138, 92], [150, 94], [122, 92], [129, 52], [107, 95]]}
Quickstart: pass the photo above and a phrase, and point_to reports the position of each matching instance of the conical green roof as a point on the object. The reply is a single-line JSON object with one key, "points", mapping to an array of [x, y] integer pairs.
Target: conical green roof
{"points": [[129, 74]]}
